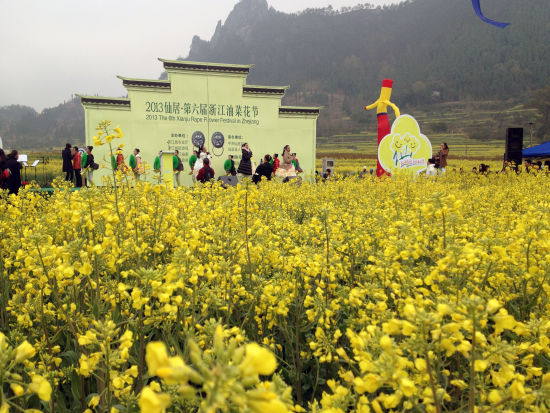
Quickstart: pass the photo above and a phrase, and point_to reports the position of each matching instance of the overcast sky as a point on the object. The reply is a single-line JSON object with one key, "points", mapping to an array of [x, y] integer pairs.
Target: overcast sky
{"points": [[50, 49]]}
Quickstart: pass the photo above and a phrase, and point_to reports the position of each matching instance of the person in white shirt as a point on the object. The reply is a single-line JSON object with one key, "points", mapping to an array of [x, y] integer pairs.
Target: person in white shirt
{"points": [[200, 162], [430, 170]]}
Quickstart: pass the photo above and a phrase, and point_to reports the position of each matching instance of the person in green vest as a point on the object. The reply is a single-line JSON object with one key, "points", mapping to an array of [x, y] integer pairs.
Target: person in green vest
{"points": [[132, 162], [83, 159], [156, 164], [177, 166], [135, 164], [229, 166], [192, 159]]}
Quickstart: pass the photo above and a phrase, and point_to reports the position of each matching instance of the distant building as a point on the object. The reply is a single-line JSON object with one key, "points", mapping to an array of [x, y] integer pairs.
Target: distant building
{"points": [[203, 103]]}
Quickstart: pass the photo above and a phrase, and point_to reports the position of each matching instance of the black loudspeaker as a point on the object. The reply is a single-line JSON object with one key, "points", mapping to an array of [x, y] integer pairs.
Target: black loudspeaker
{"points": [[228, 180], [293, 180], [514, 145]]}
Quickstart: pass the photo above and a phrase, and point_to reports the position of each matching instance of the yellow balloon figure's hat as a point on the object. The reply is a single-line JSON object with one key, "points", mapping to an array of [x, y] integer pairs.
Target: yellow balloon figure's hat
{"points": [[383, 101]]}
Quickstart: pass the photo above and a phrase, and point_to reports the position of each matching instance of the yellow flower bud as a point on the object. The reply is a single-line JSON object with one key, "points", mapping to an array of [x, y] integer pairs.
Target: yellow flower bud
{"points": [[17, 389], [24, 351]]}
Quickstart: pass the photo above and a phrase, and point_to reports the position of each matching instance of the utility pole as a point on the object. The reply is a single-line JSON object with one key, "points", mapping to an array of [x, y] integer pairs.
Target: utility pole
{"points": [[531, 124]]}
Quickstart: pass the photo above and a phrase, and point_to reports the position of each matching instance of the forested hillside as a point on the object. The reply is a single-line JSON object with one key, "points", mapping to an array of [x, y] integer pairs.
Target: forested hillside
{"points": [[435, 50], [22, 127]]}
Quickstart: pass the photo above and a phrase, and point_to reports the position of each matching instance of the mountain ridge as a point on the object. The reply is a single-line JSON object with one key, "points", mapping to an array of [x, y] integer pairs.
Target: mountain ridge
{"points": [[436, 51]]}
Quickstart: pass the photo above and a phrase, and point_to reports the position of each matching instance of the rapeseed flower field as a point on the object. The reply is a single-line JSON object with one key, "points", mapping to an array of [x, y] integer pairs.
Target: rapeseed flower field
{"points": [[356, 295]]}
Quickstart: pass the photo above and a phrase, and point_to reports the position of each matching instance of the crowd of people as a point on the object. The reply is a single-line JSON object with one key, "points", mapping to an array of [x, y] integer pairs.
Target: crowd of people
{"points": [[77, 161], [269, 166], [79, 166]]}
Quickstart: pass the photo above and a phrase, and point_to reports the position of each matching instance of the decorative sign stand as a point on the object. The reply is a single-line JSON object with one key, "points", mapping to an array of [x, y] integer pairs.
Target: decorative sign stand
{"points": [[401, 149]]}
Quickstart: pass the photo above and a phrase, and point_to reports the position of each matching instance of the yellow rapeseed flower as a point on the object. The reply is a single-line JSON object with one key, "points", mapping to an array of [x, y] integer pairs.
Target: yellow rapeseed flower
{"points": [[503, 321], [41, 387], [480, 365], [492, 306], [517, 389], [97, 141], [268, 406], [88, 338], [94, 401], [151, 402], [156, 357], [258, 360], [369, 383], [494, 397], [24, 351]]}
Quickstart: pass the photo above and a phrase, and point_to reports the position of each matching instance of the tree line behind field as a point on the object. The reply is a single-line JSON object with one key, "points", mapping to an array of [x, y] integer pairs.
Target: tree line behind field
{"points": [[22, 127]]}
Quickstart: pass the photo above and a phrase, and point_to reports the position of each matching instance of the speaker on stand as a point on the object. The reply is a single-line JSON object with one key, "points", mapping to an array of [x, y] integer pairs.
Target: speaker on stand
{"points": [[514, 145]]}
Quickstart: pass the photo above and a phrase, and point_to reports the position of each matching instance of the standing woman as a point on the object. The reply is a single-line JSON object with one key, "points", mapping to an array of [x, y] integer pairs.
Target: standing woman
{"points": [[245, 166], [442, 157], [67, 162], [13, 183], [3, 167], [137, 167], [120, 165], [177, 165], [77, 166], [276, 162], [286, 168], [89, 166]]}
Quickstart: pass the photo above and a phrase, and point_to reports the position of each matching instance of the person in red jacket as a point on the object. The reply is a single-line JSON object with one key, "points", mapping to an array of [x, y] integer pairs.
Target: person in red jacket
{"points": [[77, 166], [276, 162], [205, 173]]}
